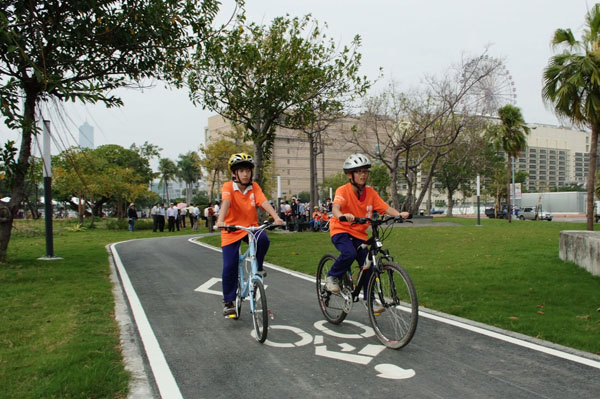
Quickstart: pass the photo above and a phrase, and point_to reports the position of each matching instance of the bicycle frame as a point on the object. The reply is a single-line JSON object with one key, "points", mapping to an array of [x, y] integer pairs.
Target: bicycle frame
{"points": [[248, 266], [375, 247], [390, 296]]}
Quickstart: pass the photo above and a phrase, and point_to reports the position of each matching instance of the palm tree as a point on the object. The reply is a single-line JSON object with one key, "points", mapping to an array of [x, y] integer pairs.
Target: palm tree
{"points": [[572, 86], [167, 170], [190, 171], [511, 138]]}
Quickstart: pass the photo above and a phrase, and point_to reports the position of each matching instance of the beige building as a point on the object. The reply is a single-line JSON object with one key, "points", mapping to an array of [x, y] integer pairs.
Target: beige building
{"points": [[555, 156], [290, 158]]}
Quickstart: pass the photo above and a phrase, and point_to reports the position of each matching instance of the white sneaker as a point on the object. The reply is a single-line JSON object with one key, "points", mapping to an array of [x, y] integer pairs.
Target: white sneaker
{"points": [[377, 308], [332, 284]]}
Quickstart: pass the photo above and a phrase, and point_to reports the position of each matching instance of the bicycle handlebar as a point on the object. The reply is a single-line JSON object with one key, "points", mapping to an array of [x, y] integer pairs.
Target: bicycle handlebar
{"points": [[378, 222], [250, 229]]}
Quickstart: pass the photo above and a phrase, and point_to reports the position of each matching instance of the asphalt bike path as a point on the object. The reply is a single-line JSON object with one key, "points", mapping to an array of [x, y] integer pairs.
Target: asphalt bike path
{"points": [[174, 291]]}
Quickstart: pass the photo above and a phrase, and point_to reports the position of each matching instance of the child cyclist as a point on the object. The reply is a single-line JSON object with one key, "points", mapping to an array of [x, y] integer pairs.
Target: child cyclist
{"points": [[239, 199], [352, 200]]}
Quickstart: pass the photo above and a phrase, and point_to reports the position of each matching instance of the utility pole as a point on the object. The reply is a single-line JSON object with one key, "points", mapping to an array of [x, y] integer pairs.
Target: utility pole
{"points": [[48, 212]]}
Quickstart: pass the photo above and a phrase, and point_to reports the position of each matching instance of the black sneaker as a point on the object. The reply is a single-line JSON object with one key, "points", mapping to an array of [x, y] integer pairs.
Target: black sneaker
{"points": [[229, 309], [262, 273]]}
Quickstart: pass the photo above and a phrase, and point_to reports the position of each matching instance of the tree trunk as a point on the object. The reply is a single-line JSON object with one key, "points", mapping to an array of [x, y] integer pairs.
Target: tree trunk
{"points": [[429, 204], [80, 210], [188, 192], [258, 163], [7, 212], [591, 179], [212, 186], [508, 169], [395, 199], [97, 209], [428, 183], [450, 203]]}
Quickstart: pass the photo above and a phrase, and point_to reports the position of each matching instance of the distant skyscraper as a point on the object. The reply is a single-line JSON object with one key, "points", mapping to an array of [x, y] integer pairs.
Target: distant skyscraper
{"points": [[86, 136]]}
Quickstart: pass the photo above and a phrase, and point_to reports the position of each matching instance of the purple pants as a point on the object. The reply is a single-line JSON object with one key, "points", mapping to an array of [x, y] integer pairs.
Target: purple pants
{"points": [[231, 258], [349, 251]]}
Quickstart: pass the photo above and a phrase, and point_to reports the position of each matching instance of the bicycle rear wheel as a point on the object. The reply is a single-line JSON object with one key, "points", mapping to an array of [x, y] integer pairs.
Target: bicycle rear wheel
{"points": [[332, 305], [260, 316], [393, 289]]}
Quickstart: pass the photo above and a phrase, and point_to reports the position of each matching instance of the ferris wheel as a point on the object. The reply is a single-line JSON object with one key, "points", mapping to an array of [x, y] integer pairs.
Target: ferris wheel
{"points": [[493, 91]]}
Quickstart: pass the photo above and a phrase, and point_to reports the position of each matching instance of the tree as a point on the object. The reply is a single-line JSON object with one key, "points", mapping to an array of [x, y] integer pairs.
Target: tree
{"points": [[414, 130], [148, 152], [511, 137], [379, 178], [189, 170], [472, 155], [98, 176], [572, 86], [277, 76], [216, 155], [82, 51], [333, 182], [168, 171]]}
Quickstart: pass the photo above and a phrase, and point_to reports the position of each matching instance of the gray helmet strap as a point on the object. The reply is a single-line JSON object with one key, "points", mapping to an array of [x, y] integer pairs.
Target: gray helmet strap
{"points": [[358, 187]]}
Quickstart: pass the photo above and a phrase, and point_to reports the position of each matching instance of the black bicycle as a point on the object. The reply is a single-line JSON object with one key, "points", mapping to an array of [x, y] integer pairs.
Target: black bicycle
{"points": [[391, 296]]}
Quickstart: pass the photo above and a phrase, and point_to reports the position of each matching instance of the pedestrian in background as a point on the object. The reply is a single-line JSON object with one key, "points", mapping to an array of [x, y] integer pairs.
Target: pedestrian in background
{"points": [[172, 217], [132, 216], [154, 214]]}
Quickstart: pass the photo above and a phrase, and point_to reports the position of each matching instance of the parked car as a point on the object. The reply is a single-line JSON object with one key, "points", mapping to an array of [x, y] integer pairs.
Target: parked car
{"points": [[530, 213], [436, 211], [492, 213]]}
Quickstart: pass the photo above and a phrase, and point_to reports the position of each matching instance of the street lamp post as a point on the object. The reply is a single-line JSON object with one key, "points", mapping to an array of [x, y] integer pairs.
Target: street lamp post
{"points": [[47, 170]]}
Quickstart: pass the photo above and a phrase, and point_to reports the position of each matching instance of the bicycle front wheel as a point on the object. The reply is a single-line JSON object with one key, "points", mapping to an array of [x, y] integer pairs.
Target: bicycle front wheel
{"points": [[393, 290], [332, 305], [238, 300], [260, 315]]}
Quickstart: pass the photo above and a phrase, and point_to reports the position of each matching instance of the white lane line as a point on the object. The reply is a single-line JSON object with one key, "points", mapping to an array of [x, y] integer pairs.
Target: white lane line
{"points": [[162, 373], [479, 330], [266, 264], [513, 340]]}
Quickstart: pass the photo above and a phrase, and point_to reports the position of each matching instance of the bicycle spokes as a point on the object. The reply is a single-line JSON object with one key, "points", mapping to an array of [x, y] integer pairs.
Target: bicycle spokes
{"points": [[332, 305], [393, 289]]}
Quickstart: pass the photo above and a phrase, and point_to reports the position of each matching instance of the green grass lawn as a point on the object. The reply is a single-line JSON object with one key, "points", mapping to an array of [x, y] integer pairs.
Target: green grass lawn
{"points": [[59, 339], [58, 335]]}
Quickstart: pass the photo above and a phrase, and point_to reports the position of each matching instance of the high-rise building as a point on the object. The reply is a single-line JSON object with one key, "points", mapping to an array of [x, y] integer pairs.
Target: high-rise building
{"points": [[86, 136]]}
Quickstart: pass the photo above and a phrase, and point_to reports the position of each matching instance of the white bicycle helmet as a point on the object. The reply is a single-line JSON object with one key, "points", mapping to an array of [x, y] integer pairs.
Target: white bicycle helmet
{"points": [[355, 162]]}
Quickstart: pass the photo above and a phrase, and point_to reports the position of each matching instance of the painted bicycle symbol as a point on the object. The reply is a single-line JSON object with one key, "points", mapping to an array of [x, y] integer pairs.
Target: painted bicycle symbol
{"points": [[343, 351]]}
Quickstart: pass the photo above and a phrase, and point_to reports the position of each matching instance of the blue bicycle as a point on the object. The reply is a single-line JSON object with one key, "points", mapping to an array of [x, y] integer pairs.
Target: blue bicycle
{"points": [[250, 282]]}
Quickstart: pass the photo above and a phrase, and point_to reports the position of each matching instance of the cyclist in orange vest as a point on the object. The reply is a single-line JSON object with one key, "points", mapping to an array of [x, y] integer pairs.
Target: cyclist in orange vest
{"points": [[354, 199], [315, 222], [239, 199]]}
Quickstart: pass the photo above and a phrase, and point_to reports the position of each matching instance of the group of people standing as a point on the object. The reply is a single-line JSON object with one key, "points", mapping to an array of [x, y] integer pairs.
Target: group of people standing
{"points": [[176, 214], [297, 214]]}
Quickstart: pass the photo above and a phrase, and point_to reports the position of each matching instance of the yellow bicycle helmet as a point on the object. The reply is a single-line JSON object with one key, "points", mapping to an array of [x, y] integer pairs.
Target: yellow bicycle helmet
{"points": [[238, 160]]}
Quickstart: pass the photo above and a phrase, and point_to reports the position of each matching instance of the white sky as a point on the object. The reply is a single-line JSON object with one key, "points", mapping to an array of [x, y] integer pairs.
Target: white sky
{"points": [[407, 38]]}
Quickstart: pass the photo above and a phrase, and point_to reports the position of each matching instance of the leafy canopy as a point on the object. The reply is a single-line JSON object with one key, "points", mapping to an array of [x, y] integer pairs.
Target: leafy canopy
{"points": [[282, 75]]}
